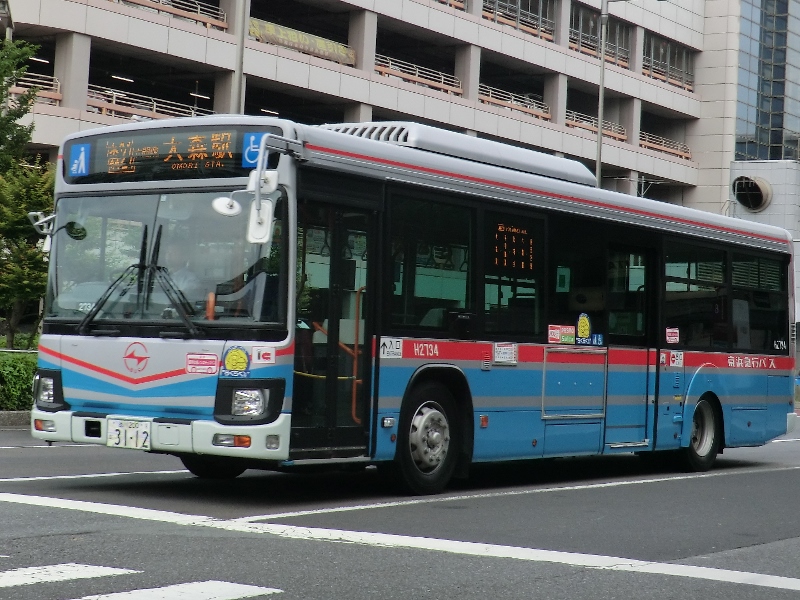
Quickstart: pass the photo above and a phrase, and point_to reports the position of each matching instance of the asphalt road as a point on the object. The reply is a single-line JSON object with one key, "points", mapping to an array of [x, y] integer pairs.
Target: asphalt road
{"points": [[86, 521]]}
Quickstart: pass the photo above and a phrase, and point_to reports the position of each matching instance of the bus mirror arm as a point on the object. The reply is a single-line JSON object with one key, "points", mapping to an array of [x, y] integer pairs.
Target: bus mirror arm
{"points": [[41, 223]]}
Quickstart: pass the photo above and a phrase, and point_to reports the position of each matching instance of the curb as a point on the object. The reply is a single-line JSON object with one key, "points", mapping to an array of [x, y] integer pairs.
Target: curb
{"points": [[14, 418]]}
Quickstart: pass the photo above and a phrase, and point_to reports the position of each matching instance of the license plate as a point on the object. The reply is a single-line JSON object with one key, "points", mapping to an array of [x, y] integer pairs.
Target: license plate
{"points": [[124, 433]]}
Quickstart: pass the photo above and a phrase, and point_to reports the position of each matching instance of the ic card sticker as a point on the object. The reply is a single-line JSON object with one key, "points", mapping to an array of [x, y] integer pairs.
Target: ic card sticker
{"points": [[263, 355]]}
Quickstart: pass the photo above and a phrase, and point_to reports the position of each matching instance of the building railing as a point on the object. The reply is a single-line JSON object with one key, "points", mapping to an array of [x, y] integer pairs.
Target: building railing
{"points": [[48, 92], [208, 15], [127, 105], [391, 67], [668, 74], [581, 121], [509, 12], [459, 4], [519, 102], [661, 144], [588, 44]]}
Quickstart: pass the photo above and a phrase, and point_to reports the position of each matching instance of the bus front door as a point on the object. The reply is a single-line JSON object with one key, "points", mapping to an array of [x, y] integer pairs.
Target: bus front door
{"points": [[330, 395]]}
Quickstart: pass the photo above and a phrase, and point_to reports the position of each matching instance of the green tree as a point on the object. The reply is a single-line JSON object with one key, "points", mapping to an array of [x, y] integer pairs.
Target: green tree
{"points": [[23, 268], [24, 187]]}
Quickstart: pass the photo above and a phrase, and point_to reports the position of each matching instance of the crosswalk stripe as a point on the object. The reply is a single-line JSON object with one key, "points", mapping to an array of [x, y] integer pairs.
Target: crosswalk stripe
{"points": [[198, 590], [52, 573]]}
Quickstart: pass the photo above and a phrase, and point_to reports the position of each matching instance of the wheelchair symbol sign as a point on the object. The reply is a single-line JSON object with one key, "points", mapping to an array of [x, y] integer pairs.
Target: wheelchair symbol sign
{"points": [[250, 146]]}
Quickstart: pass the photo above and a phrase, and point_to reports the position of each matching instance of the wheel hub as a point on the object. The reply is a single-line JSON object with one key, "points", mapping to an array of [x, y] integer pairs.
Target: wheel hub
{"points": [[429, 438]]}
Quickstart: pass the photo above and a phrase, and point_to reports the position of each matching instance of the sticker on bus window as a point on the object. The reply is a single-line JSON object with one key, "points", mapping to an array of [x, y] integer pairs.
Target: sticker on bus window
{"points": [[673, 335], [583, 333], [235, 363], [505, 353], [561, 334]]}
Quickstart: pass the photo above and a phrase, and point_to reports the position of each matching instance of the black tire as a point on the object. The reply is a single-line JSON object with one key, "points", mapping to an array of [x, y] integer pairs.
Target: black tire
{"points": [[428, 439], [211, 467], [705, 438]]}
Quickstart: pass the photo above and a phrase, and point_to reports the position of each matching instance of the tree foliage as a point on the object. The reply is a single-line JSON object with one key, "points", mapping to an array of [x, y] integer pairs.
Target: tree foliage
{"points": [[25, 186]]}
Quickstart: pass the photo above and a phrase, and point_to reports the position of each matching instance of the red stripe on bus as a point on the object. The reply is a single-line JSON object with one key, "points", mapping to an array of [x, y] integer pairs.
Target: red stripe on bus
{"points": [[112, 374], [518, 188]]}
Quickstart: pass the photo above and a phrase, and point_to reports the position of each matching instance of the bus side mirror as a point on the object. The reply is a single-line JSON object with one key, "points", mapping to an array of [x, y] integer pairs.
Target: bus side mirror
{"points": [[259, 225]]}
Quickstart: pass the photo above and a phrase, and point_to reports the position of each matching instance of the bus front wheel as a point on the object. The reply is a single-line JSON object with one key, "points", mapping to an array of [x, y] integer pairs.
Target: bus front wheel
{"points": [[208, 467], [705, 438], [428, 439]]}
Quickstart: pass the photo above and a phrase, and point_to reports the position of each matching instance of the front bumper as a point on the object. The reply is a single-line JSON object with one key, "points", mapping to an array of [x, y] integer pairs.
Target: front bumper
{"points": [[194, 437]]}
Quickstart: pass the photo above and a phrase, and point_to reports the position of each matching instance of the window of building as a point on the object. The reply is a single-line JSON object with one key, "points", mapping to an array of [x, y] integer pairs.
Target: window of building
{"points": [[668, 61], [584, 35]]}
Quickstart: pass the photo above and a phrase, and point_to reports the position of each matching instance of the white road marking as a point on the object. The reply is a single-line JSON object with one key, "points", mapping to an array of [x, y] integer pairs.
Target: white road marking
{"points": [[503, 494], [384, 540], [48, 446], [198, 590], [92, 475], [52, 573], [786, 440]]}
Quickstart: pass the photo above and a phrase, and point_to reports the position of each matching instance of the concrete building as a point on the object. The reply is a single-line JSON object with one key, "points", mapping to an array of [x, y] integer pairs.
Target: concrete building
{"points": [[677, 74]]}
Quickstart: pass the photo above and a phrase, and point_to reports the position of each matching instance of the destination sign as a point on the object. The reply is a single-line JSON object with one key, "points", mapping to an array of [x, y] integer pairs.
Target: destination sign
{"points": [[164, 154], [513, 248]]}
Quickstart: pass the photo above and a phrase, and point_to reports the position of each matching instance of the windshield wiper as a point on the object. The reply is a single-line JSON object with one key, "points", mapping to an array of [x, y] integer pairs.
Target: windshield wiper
{"points": [[101, 301], [177, 298]]}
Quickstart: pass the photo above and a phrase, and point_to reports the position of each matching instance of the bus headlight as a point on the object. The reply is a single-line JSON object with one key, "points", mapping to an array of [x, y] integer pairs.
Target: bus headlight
{"points": [[47, 392], [249, 403]]}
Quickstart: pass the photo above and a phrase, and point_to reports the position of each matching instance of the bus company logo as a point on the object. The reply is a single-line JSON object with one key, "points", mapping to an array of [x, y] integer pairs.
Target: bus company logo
{"points": [[235, 363], [136, 357]]}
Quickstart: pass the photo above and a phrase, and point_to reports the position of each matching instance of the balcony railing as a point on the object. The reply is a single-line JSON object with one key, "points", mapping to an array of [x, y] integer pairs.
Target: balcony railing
{"points": [[660, 144], [459, 4], [207, 15], [509, 12], [48, 92], [126, 105], [581, 121], [588, 44], [519, 102], [391, 67], [668, 74]]}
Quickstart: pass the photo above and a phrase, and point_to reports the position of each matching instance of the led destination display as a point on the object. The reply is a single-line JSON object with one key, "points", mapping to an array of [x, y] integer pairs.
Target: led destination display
{"points": [[175, 153]]}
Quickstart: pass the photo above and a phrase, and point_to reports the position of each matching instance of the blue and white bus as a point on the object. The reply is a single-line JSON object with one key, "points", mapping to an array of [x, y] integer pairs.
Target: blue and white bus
{"points": [[246, 292]]}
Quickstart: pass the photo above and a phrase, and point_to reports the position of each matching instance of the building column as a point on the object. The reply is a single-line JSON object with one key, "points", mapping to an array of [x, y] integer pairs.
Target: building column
{"points": [[555, 96], [630, 117], [358, 113], [474, 7], [630, 185], [468, 70], [71, 67], [225, 97], [362, 37], [636, 59], [562, 12]]}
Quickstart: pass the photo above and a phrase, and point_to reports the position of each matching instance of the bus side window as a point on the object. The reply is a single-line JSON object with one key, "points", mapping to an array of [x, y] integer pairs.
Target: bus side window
{"points": [[430, 254]]}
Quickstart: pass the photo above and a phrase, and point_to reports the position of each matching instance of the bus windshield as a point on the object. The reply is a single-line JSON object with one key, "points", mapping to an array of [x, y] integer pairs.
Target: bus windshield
{"points": [[161, 257]]}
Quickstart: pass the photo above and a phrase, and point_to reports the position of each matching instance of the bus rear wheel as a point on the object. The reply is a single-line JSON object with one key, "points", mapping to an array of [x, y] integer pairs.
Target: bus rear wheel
{"points": [[428, 439], [210, 467], [705, 438]]}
